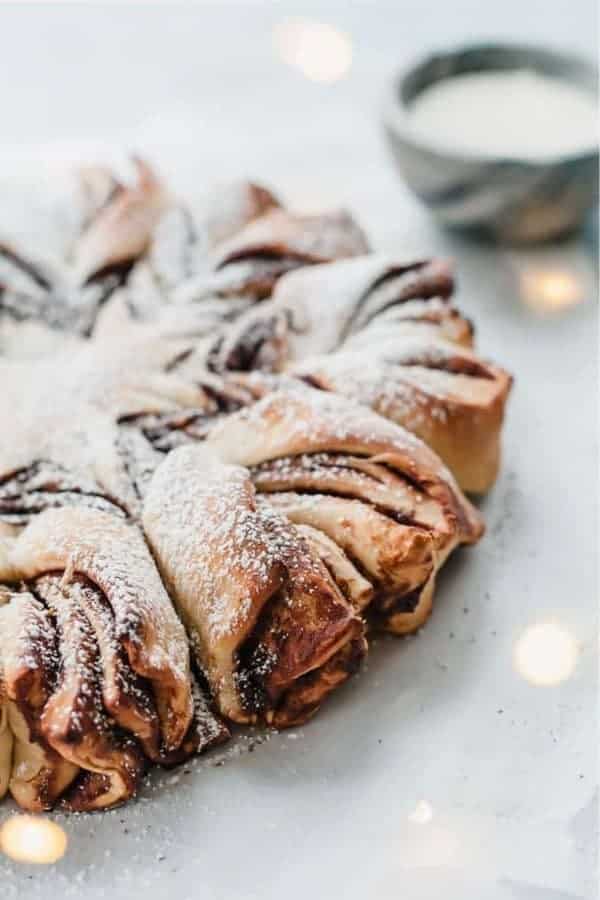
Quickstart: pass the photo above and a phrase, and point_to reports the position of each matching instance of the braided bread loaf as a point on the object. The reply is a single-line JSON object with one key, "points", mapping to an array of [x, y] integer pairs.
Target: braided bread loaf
{"points": [[208, 440], [96, 670], [385, 334], [298, 516]]}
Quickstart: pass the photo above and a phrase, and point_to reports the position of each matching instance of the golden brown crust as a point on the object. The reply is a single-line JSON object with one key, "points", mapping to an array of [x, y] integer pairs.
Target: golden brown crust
{"points": [[305, 518], [326, 305], [251, 262], [447, 396], [349, 506], [74, 721], [351, 582], [126, 696], [374, 490], [122, 230], [384, 333], [261, 609], [113, 556], [39, 775], [6, 742], [307, 238], [306, 695], [306, 421], [95, 664]]}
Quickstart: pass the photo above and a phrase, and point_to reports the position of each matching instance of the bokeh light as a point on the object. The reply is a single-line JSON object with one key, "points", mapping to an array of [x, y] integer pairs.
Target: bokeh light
{"points": [[546, 654], [422, 814], [550, 290], [318, 50], [28, 839]]}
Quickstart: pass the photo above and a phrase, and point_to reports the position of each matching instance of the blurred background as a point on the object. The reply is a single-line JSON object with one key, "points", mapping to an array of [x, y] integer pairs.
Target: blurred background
{"points": [[217, 89], [286, 93]]}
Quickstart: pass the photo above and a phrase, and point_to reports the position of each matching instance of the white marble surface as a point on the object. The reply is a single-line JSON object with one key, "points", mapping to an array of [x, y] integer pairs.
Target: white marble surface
{"points": [[508, 769]]}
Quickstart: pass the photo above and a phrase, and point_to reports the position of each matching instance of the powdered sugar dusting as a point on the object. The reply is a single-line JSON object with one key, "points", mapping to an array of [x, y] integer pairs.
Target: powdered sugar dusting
{"points": [[258, 579], [113, 555]]}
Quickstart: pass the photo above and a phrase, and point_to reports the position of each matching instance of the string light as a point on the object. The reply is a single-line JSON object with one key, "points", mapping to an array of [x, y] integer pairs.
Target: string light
{"points": [[29, 839], [318, 50], [546, 654]]}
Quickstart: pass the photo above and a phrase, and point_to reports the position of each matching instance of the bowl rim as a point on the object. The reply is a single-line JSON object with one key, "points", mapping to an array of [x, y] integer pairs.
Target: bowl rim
{"points": [[395, 107]]}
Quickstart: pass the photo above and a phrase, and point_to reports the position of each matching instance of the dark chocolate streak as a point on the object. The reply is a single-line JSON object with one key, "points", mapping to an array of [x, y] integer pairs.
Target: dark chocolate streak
{"points": [[387, 606], [56, 488], [409, 479], [244, 356], [453, 365], [415, 283], [58, 312], [396, 517], [27, 267], [254, 664]]}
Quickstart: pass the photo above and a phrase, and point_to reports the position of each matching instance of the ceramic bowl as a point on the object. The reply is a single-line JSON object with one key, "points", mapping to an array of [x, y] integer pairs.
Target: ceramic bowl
{"points": [[512, 199]]}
